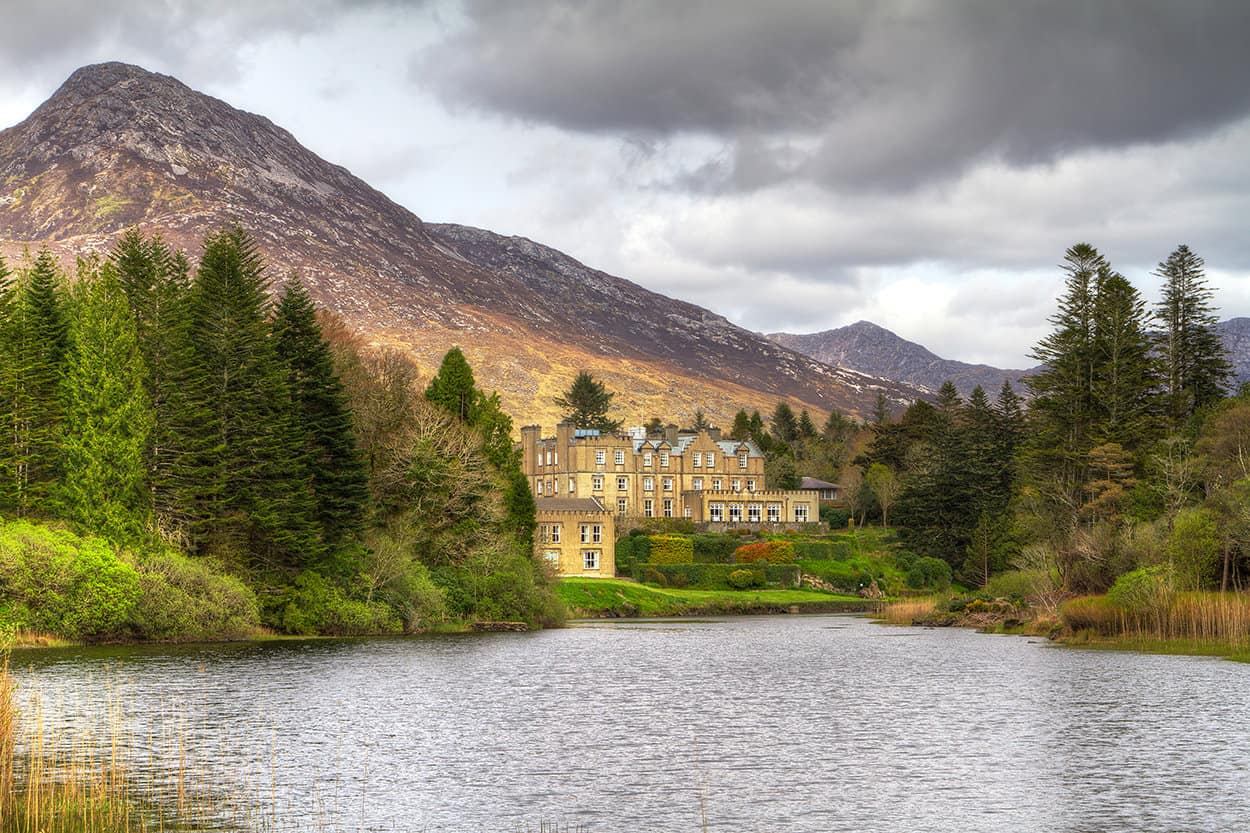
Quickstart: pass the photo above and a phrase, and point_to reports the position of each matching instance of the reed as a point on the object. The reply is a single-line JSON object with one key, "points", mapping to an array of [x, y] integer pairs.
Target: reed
{"points": [[1197, 618], [907, 611]]}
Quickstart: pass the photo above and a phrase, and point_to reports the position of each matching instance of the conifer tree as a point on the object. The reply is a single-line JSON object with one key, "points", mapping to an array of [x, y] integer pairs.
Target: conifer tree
{"points": [[1124, 380], [741, 429], [322, 418], [37, 337], [784, 425], [700, 422], [586, 404], [107, 417], [453, 387], [243, 473], [948, 396], [1195, 368], [806, 428]]}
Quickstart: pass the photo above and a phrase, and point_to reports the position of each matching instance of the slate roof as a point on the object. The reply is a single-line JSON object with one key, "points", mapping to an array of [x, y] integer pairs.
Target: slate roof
{"points": [[588, 505]]}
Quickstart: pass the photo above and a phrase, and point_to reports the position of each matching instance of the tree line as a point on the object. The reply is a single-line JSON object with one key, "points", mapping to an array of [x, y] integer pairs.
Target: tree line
{"points": [[158, 405]]}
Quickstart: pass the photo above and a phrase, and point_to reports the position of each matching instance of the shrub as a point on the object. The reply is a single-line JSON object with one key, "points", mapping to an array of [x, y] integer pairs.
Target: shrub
{"points": [[1016, 585], [743, 579], [843, 576], [314, 605], [190, 599], [813, 550], [654, 576], [774, 552], [1096, 613], [625, 556], [670, 549], [715, 576], [1149, 590], [929, 572], [835, 518], [714, 549]]}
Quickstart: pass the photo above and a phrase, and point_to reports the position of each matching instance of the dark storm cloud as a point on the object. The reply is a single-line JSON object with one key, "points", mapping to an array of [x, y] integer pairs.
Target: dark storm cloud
{"points": [[873, 94], [48, 38]]}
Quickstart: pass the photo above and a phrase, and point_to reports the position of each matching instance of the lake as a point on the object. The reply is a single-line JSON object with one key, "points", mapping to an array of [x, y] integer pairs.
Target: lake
{"points": [[788, 723]]}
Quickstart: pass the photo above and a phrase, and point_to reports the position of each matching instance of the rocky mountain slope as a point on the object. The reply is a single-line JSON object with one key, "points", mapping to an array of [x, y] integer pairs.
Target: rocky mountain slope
{"points": [[872, 349], [117, 146]]}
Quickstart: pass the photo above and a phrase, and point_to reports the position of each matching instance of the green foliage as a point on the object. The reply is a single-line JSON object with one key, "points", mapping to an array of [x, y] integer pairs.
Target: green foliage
{"points": [[1148, 590], [1092, 613], [716, 576], [714, 548], [1019, 586], [453, 387], [322, 419], [190, 600], [670, 549], [107, 415], [1196, 371], [315, 605], [929, 572], [586, 404], [780, 470], [1194, 549], [849, 576], [836, 519], [743, 579], [774, 552]]}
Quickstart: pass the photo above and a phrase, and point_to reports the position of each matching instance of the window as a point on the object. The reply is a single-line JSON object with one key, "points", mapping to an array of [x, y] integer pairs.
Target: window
{"points": [[621, 484], [648, 484], [555, 486], [698, 459], [735, 485], [620, 457], [540, 459], [572, 485], [646, 459], [648, 508], [540, 488], [716, 511], [698, 484], [549, 458], [621, 505], [800, 513], [750, 485], [735, 513], [663, 458], [753, 512], [668, 484], [687, 512], [774, 513], [596, 483], [711, 459], [717, 484], [555, 533], [592, 533], [668, 508], [557, 456], [601, 456], [543, 534], [549, 489], [590, 559], [742, 460], [552, 557]]}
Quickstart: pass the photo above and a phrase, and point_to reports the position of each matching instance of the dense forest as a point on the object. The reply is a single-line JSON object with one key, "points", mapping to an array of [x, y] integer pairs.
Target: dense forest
{"points": [[1126, 454], [185, 457]]}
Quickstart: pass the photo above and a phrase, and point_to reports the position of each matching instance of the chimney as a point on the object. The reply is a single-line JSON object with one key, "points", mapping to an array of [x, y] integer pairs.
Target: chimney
{"points": [[564, 438], [530, 434], [714, 434], [670, 433]]}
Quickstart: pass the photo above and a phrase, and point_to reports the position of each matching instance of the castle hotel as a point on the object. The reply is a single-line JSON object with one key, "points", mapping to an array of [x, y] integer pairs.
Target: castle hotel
{"points": [[588, 484]]}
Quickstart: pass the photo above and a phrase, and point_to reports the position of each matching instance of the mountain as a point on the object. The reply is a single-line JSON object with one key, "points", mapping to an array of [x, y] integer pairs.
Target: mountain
{"points": [[1236, 335], [118, 146], [874, 350]]}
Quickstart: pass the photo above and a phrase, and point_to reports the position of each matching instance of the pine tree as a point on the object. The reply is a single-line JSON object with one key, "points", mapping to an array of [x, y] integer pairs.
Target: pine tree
{"points": [[586, 404], [453, 387], [700, 422], [38, 340], [1195, 368], [243, 471], [806, 428], [1125, 381], [322, 417], [1062, 406], [107, 416], [156, 283], [741, 429], [784, 425], [948, 396], [8, 362]]}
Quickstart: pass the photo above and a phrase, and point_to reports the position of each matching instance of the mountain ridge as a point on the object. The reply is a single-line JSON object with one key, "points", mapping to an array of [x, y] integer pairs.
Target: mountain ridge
{"points": [[117, 146]]}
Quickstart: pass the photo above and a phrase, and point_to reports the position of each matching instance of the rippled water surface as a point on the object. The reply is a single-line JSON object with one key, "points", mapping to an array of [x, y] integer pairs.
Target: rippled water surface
{"points": [[779, 723]]}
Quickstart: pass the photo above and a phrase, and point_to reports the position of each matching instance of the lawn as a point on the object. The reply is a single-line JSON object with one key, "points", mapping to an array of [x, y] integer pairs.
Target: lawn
{"points": [[595, 597]]}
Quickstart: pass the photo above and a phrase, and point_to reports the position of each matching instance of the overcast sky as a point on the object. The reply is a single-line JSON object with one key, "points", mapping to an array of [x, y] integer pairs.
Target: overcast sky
{"points": [[792, 165]]}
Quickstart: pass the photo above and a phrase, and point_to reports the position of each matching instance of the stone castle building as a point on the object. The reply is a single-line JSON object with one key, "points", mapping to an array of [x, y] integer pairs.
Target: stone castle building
{"points": [[632, 477]]}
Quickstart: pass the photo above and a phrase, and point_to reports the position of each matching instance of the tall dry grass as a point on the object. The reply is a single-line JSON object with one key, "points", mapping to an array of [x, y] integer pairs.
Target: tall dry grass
{"points": [[907, 611], [1217, 618]]}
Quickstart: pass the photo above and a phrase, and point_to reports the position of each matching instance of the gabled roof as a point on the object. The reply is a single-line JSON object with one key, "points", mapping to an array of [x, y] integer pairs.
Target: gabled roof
{"points": [[731, 447], [811, 483], [589, 505]]}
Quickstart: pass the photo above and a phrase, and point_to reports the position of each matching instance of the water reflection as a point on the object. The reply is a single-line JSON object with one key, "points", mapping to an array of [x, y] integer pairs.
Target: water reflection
{"points": [[789, 723]]}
